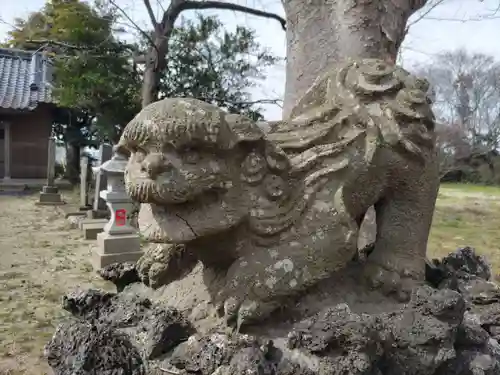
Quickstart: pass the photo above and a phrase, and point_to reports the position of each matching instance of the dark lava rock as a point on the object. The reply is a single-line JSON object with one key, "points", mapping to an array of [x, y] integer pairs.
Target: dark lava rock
{"points": [[120, 274], [162, 330], [81, 348], [495, 332], [251, 360], [471, 362], [464, 264], [471, 333], [434, 274], [469, 274], [87, 304], [448, 328], [415, 340], [479, 291], [151, 330], [204, 354], [230, 355], [333, 328]]}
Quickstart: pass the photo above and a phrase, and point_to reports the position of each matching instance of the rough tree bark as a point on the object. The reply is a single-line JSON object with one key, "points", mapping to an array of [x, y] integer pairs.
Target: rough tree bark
{"points": [[322, 32]]}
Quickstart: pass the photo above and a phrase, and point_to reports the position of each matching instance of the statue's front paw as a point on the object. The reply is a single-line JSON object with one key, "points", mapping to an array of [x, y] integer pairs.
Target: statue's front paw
{"points": [[163, 263], [238, 313], [398, 284]]}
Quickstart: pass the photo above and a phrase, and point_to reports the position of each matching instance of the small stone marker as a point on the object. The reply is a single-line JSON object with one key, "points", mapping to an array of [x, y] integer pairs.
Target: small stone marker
{"points": [[119, 242], [75, 217], [84, 186], [92, 227], [105, 153], [50, 194]]}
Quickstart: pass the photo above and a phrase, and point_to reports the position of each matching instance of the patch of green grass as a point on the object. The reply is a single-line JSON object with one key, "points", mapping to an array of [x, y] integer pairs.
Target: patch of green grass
{"points": [[463, 220], [471, 188]]}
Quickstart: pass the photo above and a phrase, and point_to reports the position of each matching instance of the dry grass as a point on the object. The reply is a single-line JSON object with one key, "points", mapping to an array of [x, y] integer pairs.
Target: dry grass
{"points": [[42, 260], [467, 215]]}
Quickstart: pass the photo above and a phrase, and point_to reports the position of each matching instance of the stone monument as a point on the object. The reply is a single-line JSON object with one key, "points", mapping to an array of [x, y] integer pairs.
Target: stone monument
{"points": [[257, 244], [50, 193], [98, 214], [284, 209], [84, 183], [119, 242], [99, 208]]}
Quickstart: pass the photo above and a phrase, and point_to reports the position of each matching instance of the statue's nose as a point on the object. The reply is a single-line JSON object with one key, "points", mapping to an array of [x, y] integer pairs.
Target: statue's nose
{"points": [[153, 164]]}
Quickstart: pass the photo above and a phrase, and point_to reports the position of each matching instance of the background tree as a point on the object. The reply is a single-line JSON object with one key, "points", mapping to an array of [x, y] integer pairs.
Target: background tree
{"points": [[154, 60], [208, 63], [98, 87], [466, 87], [95, 85]]}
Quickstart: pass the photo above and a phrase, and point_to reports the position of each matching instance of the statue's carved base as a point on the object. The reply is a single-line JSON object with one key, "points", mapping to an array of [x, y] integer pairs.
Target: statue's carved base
{"points": [[450, 326]]}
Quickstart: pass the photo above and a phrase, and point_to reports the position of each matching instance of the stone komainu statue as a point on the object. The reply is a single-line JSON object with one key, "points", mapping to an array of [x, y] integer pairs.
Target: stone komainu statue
{"points": [[270, 215]]}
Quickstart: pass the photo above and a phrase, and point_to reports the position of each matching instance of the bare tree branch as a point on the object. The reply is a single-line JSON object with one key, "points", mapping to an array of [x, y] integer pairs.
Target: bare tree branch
{"points": [[122, 11], [424, 14], [160, 5], [154, 60], [56, 43], [198, 5], [492, 15], [464, 20], [152, 17], [9, 24], [277, 102]]}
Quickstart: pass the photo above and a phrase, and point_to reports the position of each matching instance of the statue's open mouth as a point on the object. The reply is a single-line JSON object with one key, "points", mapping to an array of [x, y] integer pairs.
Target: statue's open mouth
{"points": [[164, 224], [147, 191], [174, 222]]}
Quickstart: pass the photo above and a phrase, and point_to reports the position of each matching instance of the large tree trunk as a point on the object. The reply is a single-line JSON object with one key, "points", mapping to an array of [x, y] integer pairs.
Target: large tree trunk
{"points": [[322, 32], [154, 67], [157, 57]]}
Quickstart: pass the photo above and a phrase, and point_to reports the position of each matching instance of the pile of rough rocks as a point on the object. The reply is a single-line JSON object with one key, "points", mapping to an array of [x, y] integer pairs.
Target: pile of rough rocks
{"points": [[450, 327]]}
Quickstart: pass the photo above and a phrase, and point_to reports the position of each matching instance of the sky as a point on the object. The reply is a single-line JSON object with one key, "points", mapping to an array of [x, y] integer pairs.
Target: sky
{"points": [[454, 24]]}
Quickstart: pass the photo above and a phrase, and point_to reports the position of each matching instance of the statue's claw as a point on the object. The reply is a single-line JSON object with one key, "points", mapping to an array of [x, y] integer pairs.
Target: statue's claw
{"points": [[239, 313], [163, 263], [390, 282], [255, 311], [231, 307]]}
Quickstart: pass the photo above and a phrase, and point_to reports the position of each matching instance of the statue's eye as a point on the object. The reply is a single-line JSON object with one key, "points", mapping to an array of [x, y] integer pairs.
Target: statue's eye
{"points": [[191, 156], [132, 147], [138, 153]]}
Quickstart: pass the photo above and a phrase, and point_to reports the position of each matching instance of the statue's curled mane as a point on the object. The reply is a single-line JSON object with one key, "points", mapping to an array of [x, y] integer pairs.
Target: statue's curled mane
{"points": [[363, 105]]}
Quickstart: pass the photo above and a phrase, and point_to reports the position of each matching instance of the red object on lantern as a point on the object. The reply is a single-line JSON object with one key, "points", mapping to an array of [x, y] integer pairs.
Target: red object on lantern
{"points": [[121, 217]]}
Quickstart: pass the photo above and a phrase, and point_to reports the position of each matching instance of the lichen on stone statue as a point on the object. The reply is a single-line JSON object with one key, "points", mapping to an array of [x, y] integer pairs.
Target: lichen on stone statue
{"points": [[270, 215]]}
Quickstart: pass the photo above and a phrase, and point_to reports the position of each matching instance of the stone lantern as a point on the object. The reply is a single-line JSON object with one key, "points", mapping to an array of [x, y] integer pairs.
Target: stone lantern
{"points": [[119, 242]]}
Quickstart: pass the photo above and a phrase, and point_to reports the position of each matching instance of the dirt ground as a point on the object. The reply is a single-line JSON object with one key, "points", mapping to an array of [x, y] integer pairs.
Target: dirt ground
{"points": [[42, 259]]}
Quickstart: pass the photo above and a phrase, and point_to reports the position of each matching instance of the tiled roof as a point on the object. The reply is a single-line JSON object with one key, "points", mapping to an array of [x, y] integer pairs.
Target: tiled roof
{"points": [[25, 79]]}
